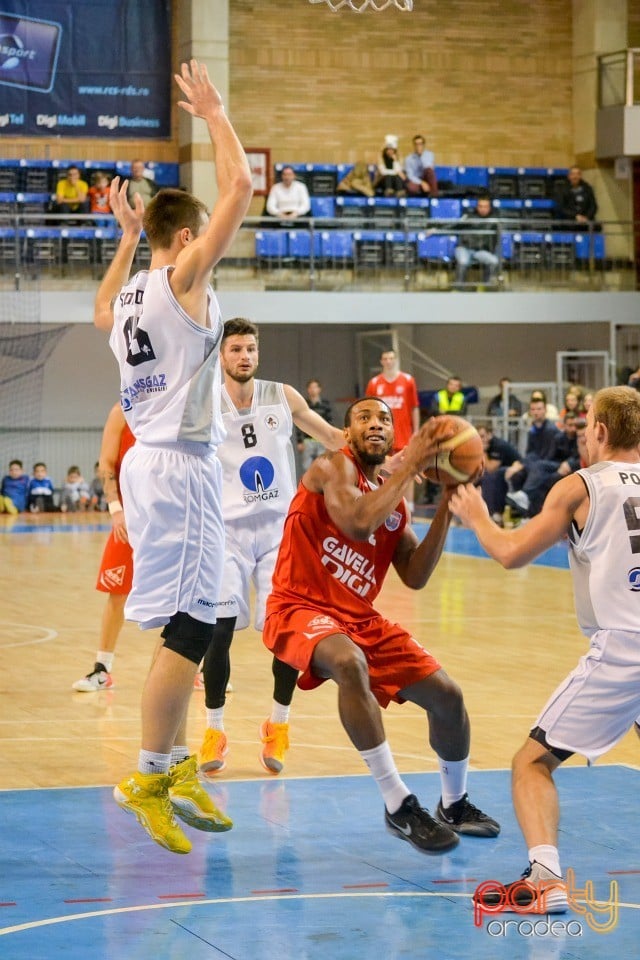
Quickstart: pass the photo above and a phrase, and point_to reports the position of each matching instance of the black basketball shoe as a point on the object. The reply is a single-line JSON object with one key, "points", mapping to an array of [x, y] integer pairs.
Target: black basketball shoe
{"points": [[463, 817], [416, 825]]}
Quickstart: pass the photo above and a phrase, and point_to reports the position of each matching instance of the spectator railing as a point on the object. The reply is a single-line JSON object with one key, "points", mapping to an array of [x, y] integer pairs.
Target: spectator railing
{"points": [[337, 253]]}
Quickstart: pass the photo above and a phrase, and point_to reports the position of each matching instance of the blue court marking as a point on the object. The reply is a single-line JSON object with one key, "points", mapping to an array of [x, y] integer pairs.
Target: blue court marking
{"points": [[308, 872]]}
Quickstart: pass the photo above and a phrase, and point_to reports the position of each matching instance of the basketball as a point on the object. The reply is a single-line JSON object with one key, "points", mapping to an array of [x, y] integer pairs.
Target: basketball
{"points": [[460, 458]]}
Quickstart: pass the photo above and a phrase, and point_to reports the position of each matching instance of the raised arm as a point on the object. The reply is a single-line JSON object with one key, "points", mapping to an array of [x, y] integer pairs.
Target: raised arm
{"points": [[130, 221], [233, 178], [515, 548], [311, 422], [415, 561]]}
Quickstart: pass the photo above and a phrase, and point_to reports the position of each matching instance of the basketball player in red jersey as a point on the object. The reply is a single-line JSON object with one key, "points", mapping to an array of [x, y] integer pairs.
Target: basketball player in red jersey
{"points": [[400, 393], [116, 567], [320, 620]]}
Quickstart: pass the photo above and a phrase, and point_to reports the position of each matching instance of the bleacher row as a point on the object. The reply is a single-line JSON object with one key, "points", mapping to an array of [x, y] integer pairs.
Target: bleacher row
{"points": [[523, 183], [38, 176], [338, 248]]}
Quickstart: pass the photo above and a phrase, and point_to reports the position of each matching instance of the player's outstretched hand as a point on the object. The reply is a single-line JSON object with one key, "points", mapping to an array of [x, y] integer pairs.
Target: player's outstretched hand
{"points": [[467, 504], [202, 96], [129, 218]]}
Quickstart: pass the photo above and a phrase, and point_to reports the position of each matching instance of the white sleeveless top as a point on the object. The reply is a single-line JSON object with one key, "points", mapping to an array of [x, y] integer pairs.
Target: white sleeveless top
{"points": [[258, 467], [605, 557], [169, 371]]}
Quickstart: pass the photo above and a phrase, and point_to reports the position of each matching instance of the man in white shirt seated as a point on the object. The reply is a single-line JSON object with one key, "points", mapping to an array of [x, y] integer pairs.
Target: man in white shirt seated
{"points": [[289, 198]]}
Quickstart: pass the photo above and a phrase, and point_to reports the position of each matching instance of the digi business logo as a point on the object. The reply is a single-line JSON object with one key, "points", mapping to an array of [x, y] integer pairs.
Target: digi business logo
{"points": [[28, 52], [257, 475]]}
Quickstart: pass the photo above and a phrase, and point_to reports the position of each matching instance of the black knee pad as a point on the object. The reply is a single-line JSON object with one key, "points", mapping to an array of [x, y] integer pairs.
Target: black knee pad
{"points": [[187, 636]]}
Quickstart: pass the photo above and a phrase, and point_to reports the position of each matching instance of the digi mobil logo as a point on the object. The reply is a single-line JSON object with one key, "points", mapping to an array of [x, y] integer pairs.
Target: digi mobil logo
{"points": [[257, 475], [28, 52]]}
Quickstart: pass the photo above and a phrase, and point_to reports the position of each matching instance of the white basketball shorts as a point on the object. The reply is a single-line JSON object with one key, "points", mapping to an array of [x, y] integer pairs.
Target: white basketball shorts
{"points": [[251, 550]]}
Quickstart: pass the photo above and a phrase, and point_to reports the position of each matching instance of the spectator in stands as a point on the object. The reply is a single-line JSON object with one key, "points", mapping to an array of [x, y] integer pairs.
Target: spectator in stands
{"points": [[14, 489], [99, 194], [75, 492], [71, 193], [634, 379], [357, 182], [496, 407], [289, 198], [309, 447], [576, 200], [96, 490], [498, 455], [449, 400], [140, 182], [390, 178], [40, 498], [541, 446], [477, 242], [543, 474], [419, 167], [572, 404], [551, 409], [587, 401]]}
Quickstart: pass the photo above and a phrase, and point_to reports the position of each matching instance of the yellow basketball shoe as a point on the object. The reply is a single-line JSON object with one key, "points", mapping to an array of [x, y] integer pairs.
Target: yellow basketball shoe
{"points": [[146, 796], [190, 800], [275, 743], [212, 752]]}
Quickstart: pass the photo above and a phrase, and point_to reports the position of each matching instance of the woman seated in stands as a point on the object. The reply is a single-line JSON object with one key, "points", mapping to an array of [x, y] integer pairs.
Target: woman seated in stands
{"points": [[390, 177]]}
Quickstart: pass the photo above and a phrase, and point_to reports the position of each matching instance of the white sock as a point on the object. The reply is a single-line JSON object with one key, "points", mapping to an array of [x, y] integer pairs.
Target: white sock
{"points": [[105, 657], [453, 777], [279, 713], [547, 856], [215, 718], [179, 753], [149, 762], [384, 772]]}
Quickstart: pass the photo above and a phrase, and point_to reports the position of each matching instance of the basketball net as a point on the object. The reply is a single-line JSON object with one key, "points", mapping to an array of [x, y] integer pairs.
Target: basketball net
{"points": [[359, 6]]}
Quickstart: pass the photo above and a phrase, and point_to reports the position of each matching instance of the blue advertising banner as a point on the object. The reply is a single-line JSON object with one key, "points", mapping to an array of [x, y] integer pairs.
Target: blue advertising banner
{"points": [[85, 68]]}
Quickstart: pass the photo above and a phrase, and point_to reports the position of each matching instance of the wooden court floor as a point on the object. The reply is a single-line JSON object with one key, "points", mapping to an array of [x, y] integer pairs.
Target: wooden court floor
{"points": [[309, 873]]}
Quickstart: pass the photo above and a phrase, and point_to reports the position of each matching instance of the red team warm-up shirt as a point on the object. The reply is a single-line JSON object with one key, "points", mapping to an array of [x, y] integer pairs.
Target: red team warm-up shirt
{"points": [[401, 395]]}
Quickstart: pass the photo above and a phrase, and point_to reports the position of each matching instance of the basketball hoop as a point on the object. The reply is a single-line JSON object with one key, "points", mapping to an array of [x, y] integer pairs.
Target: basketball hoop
{"points": [[359, 6]]}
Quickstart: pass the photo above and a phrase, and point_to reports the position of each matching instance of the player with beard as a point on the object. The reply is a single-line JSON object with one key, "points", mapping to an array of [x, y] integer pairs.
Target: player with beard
{"points": [[349, 527], [258, 482]]}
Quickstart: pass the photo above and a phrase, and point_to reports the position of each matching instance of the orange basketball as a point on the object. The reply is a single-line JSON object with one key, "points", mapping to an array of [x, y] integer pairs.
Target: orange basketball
{"points": [[460, 458]]}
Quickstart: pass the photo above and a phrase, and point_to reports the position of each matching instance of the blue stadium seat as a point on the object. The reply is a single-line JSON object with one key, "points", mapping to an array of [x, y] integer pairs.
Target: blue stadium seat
{"points": [[436, 247], [590, 244], [336, 248], [353, 209], [445, 209], [272, 246], [472, 177], [506, 246], [323, 207], [9, 174], [446, 175], [299, 245], [532, 182], [384, 211], [561, 249], [322, 178], [9, 250]]}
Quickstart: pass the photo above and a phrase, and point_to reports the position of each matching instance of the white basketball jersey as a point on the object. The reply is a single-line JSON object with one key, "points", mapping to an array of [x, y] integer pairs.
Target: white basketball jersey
{"points": [[169, 370], [257, 457], [605, 557]]}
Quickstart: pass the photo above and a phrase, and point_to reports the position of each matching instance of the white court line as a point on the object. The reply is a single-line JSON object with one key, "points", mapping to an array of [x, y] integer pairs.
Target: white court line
{"points": [[49, 634], [194, 904]]}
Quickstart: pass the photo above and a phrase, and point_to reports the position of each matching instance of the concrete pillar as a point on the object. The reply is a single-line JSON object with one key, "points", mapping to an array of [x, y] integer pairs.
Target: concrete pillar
{"points": [[599, 27], [203, 33]]}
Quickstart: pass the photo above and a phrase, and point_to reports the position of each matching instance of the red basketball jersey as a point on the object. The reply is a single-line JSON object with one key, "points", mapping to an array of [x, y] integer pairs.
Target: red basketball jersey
{"points": [[401, 395], [318, 565]]}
